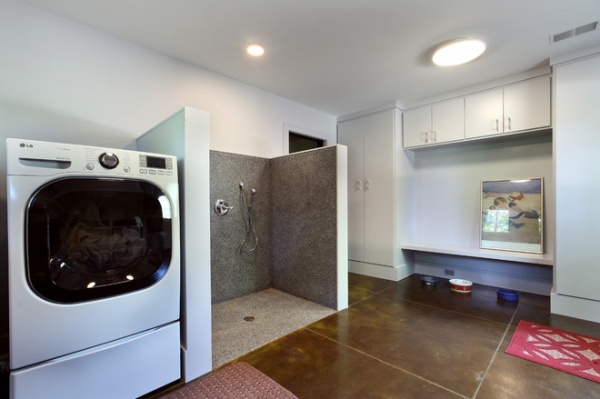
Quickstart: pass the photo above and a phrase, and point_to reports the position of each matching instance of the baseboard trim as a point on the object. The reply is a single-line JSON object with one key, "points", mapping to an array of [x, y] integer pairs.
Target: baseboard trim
{"points": [[535, 279], [578, 308], [395, 273]]}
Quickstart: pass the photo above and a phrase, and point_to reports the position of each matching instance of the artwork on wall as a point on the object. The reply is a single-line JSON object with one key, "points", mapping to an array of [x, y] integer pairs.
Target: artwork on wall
{"points": [[512, 215]]}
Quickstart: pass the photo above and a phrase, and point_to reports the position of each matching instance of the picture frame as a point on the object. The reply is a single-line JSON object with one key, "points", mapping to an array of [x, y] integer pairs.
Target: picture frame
{"points": [[512, 215]]}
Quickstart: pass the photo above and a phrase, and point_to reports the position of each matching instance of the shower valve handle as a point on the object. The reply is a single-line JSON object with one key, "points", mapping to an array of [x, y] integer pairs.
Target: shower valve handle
{"points": [[221, 207]]}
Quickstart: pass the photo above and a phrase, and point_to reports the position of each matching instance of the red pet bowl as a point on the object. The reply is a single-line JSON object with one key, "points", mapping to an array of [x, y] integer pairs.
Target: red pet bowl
{"points": [[462, 286]]}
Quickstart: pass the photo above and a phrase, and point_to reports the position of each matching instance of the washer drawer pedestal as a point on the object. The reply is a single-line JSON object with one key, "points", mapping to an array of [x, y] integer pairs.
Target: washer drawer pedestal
{"points": [[125, 368]]}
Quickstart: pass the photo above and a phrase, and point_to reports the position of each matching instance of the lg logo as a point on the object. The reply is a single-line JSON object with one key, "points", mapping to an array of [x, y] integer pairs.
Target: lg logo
{"points": [[23, 145]]}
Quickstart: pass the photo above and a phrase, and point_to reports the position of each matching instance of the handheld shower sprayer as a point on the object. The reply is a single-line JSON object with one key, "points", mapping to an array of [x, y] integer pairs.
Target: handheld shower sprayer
{"points": [[250, 231], [247, 204], [252, 193]]}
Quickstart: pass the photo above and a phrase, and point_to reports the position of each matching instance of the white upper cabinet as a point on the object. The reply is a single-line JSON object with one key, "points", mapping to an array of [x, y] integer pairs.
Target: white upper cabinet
{"points": [[527, 105], [437, 123], [519, 107], [417, 126], [448, 120], [484, 114]]}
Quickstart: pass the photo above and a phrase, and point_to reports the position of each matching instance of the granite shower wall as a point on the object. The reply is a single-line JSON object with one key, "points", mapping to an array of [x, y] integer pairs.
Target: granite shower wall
{"points": [[235, 273], [304, 225], [295, 219]]}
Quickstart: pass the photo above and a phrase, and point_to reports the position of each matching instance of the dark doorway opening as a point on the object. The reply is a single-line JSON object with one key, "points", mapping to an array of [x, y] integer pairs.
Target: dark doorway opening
{"points": [[300, 142]]}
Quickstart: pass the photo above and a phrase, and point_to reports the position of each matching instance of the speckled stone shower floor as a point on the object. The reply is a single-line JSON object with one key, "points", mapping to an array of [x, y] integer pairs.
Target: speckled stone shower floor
{"points": [[243, 324]]}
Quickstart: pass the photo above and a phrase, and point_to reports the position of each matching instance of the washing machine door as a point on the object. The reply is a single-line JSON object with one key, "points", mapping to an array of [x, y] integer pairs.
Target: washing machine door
{"points": [[95, 238]]}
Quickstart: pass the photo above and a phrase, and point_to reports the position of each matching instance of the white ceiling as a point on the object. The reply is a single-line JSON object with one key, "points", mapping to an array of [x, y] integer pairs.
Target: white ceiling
{"points": [[342, 56]]}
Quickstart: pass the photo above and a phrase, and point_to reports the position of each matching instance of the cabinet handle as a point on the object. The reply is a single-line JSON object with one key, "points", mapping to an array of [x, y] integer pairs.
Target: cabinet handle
{"points": [[425, 137], [357, 185], [509, 123], [497, 125], [434, 136], [367, 184]]}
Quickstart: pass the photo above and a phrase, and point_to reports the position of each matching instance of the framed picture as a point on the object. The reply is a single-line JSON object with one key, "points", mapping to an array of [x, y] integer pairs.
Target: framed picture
{"points": [[512, 215]]}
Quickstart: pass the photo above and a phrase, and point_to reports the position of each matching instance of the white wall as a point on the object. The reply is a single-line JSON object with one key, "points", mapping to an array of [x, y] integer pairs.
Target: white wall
{"points": [[63, 76], [447, 192], [61, 81]]}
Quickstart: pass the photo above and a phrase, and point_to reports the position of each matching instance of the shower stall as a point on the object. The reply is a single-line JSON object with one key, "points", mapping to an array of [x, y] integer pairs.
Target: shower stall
{"points": [[280, 231], [281, 225]]}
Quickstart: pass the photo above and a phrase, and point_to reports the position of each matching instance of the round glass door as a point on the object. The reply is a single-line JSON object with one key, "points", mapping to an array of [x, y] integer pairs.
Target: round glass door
{"points": [[95, 238]]}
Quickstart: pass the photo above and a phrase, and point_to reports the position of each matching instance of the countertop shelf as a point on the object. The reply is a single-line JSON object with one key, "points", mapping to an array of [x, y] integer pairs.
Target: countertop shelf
{"points": [[509, 256]]}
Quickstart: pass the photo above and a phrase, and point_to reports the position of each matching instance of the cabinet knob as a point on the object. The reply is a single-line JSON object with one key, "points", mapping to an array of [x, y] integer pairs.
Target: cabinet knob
{"points": [[367, 184], [357, 185]]}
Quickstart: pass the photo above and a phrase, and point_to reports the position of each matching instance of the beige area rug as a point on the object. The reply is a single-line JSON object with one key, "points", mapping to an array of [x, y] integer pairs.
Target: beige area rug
{"points": [[243, 324]]}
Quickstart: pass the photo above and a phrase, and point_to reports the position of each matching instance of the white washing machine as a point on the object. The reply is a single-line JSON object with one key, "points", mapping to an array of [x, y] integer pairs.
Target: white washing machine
{"points": [[94, 271]]}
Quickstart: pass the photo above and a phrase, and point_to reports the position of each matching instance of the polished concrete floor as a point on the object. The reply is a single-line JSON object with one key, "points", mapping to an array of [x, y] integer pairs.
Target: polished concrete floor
{"points": [[406, 340]]}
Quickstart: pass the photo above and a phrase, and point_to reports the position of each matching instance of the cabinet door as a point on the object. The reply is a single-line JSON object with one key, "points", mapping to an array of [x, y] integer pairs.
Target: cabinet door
{"points": [[417, 126], [527, 105], [379, 147], [350, 134], [483, 114], [448, 120], [576, 141]]}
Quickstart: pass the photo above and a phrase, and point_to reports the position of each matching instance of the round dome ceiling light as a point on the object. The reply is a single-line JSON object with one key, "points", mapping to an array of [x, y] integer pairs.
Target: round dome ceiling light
{"points": [[255, 50], [456, 52]]}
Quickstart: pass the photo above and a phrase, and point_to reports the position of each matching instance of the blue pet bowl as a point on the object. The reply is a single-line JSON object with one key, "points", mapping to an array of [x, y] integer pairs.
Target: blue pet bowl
{"points": [[429, 281], [508, 295]]}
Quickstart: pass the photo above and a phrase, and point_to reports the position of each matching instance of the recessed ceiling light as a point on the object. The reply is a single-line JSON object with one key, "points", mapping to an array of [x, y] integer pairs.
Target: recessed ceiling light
{"points": [[458, 52], [255, 50]]}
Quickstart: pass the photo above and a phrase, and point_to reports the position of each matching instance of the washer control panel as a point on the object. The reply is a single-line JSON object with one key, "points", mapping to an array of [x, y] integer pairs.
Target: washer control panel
{"points": [[30, 157], [155, 165]]}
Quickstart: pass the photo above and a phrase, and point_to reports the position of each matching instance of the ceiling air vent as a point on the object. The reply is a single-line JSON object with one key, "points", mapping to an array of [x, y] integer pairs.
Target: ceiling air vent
{"points": [[574, 32]]}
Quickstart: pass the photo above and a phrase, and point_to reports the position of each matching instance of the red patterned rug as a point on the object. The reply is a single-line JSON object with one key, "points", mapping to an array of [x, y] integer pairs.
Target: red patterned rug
{"points": [[563, 350], [235, 381]]}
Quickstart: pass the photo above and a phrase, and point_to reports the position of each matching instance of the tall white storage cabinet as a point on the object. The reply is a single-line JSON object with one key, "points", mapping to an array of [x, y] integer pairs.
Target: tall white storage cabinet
{"points": [[375, 209], [576, 144]]}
